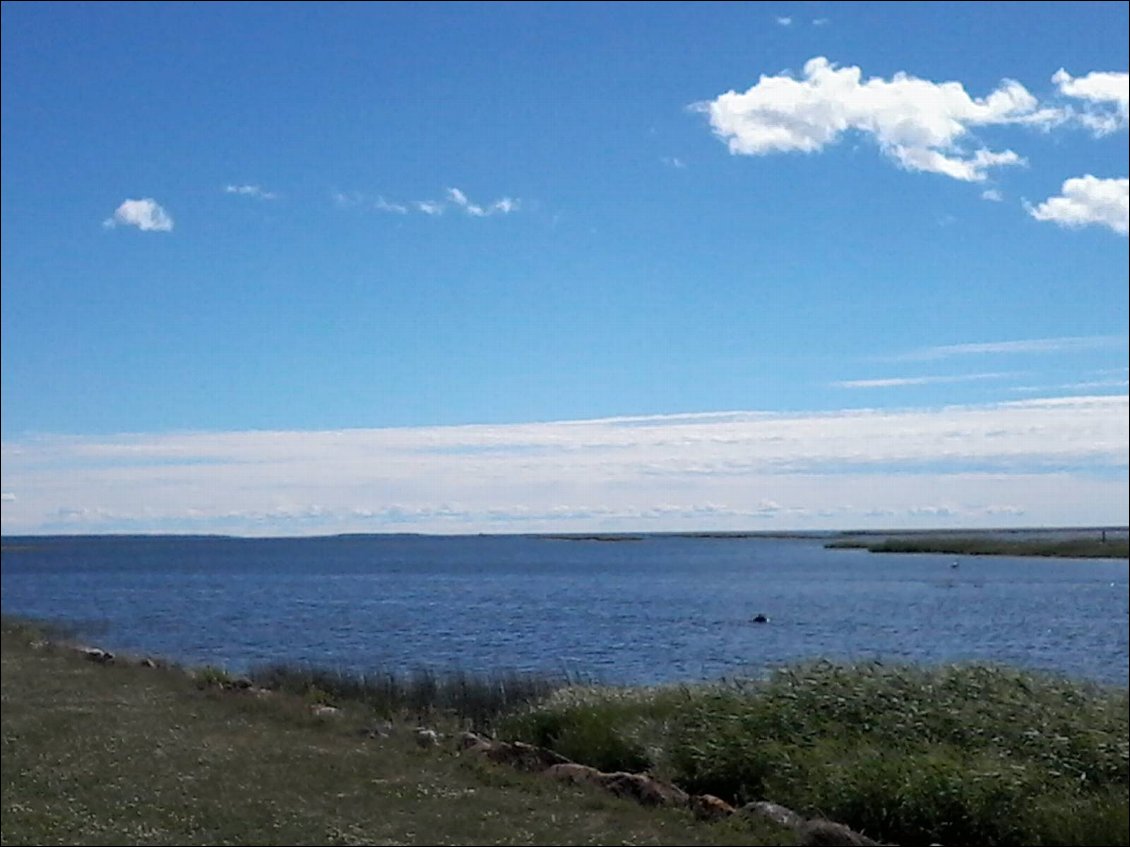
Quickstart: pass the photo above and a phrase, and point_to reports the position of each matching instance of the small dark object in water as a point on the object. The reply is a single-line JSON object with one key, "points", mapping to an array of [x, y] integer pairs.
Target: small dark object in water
{"points": [[760, 619], [955, 564]]}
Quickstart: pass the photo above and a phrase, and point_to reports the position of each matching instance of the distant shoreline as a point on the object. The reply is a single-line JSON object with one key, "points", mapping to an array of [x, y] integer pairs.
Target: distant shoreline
{"points": [[1083, 547], [836, 538]]}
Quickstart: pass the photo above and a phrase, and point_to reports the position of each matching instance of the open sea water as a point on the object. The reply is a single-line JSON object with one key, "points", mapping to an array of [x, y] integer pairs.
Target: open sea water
{"points": [[654, 610]]}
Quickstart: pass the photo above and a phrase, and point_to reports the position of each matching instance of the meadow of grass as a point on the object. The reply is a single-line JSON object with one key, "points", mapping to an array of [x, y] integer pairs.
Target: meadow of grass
{"points": [[123, 754], [952, 755], [1069, 548]]}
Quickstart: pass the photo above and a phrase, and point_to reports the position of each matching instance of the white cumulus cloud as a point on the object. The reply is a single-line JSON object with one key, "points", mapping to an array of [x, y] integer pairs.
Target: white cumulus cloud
{"points": [[920, 124], [145, 214], [1088, 200], [1106, 94]]}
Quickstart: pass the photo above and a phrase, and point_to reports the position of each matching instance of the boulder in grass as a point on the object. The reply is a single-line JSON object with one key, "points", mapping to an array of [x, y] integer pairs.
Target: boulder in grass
{"points": [[426, 737], [96, 654], [576, 774], [821, 833], [644, 789], [473, 742], [524, 757], [707, 807], [321, 710], [772, 812]]}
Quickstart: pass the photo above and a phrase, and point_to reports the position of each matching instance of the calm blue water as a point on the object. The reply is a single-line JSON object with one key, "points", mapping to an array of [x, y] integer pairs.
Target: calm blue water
{"points": [[657, 610]]}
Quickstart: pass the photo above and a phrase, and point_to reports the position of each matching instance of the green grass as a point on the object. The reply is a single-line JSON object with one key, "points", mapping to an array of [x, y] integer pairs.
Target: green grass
{"points": [[96, 754], [969, 755], [121, 754], [1073, 548]]}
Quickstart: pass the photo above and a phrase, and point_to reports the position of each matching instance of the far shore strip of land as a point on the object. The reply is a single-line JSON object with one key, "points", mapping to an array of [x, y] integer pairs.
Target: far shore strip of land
{"points": [[1098, 546]]}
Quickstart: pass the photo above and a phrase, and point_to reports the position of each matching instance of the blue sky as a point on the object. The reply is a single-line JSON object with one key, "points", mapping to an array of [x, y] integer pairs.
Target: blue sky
{"points": [[547, 266]]}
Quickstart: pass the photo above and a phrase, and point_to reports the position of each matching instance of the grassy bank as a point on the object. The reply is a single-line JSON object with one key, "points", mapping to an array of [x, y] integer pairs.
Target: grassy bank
{"points": [[122, 754], [960, 755], [1072, 548]]}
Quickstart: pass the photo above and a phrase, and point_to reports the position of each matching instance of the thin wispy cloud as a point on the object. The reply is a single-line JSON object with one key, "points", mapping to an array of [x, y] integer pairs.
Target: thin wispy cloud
{"points": [[992, 194], [146, 214], [1069, 344], [454, 199], [1043, 457], [348, 199], [904, 381], [1083, 385], [256, 191], [1088, 201], [383, 205], [502, 206], [673, 162], [788, 21]]}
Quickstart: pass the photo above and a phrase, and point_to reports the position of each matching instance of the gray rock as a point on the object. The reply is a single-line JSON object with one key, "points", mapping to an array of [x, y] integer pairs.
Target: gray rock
{"points": [[471, 741], [378, 730], [576, 774], [524, 757], [707, 807], [644, 789], [772, 812], [821, 833], [95, 654]]}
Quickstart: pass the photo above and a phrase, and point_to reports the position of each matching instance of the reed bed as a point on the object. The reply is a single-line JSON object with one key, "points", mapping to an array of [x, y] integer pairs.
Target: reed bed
{"points": [[474, 700], [966, 754]]}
